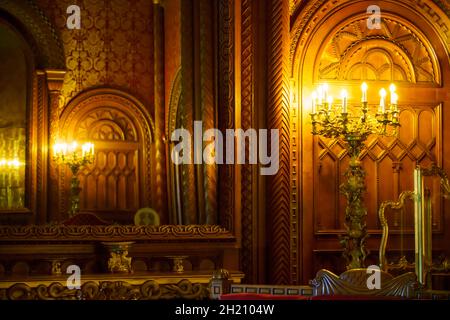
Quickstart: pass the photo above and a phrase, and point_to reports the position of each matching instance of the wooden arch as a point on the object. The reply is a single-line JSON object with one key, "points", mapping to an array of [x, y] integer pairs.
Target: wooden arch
{"points": [[29, 19], [120, 180]]}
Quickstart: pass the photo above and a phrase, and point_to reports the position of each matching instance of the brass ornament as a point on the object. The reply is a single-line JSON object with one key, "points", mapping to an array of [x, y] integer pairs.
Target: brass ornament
{"points": [[177, 263], [119, 260]]}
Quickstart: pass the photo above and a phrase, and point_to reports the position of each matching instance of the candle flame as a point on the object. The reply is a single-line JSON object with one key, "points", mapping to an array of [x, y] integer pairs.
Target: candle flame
{"points": [[392, 88]]}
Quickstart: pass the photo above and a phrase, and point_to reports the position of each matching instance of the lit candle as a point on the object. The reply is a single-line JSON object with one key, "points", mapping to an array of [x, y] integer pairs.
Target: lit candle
{"points": [[330, 102], [364, 92], [64, 149], [84, 150], [87, 149], [325, 91], [59, 149], [394, 99], [382, 103], [320, 94], [344, 96], [73, 147], [314, 100], [392, 91]]}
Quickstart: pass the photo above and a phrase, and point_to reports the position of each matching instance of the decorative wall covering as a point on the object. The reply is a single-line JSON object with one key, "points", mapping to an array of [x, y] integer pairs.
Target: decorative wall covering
{"points": [[114, 46]]}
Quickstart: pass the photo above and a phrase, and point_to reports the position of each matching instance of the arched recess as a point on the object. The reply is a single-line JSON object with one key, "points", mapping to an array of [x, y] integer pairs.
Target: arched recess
{"points": [[330, 42], [26, 16], [120, 180], [46, 65]]}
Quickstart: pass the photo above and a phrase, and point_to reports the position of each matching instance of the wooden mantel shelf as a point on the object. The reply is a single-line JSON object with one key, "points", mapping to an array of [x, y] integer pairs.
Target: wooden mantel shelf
{"points": [[149, 285]]}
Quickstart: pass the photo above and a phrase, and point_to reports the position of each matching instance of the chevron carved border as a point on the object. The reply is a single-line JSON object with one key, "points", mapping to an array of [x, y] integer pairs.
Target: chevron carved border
{"points": [[247, 102], [278, 118]]}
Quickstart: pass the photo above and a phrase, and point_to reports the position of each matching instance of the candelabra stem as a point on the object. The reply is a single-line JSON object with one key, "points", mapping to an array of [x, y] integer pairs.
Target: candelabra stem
{"points": [[355, 214], [74, 191]]}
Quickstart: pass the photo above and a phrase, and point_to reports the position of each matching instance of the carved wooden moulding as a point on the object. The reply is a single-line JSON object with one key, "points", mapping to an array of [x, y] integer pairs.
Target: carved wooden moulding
{"points": [[115, 232], [107, 290]]}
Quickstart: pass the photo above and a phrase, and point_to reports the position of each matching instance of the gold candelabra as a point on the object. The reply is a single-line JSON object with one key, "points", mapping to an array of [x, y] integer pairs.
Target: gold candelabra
{"points": [[354, 125], [75, 157]]}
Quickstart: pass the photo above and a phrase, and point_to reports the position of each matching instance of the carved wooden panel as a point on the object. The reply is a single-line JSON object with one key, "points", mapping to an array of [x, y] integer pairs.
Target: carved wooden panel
{"points": [[392, 53], [118, 182], [112, 181], [389, 164]]}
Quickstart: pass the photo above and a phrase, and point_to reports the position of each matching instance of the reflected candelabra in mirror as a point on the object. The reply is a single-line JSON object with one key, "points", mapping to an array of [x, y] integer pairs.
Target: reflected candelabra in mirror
{"points": [[12, 168]]}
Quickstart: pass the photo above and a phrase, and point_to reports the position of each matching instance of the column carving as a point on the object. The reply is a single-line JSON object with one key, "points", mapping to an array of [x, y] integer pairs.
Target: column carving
{"points": [[278, 187], [55, 80]]}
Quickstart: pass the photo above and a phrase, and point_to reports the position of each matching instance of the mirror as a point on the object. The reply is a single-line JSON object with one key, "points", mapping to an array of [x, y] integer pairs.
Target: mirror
{"points": [[130, 170]]}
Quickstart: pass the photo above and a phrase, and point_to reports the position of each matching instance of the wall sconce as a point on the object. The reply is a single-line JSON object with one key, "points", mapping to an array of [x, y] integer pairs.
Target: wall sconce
{"points": [[75, 157]]}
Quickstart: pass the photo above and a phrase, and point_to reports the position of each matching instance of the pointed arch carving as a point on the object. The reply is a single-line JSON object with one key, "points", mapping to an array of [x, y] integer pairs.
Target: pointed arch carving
{"points": [[403, 54]]}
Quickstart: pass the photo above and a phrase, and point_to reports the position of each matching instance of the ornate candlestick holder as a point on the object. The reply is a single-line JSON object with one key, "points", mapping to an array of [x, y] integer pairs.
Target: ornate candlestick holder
{"points": [[354, 127], [75, 158]]}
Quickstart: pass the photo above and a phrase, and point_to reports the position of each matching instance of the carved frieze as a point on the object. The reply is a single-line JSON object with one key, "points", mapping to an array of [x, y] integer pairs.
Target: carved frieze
{"points": [[107, 290]]}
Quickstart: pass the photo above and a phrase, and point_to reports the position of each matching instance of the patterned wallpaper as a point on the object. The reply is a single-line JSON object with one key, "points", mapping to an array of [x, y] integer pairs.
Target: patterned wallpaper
{"points": [[114, 46]]}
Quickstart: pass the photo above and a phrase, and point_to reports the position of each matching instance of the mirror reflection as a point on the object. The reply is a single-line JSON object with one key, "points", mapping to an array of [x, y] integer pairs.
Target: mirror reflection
{"points": [[13, 106]]}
